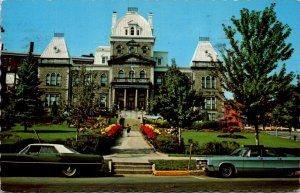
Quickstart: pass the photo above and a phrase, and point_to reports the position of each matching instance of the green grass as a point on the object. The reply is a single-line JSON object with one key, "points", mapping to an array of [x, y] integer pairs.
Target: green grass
{"points": [[45, 132], [265, 139]]}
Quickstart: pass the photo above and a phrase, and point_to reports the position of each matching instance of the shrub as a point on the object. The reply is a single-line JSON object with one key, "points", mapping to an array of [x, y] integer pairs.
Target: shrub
{"points": [[197, 125], [168, 144], [162, 124], [219, 148], [214, 125]]}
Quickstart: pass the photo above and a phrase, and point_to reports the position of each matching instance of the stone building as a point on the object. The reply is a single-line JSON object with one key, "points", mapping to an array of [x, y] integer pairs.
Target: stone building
{"points": [[129, 70]]}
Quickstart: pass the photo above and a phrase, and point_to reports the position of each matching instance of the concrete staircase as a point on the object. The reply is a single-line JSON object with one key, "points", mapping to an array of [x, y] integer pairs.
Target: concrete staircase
{"points": [[131, 168]]}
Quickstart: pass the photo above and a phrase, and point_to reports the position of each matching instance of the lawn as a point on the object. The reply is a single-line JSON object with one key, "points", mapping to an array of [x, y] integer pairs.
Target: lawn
{"points": [[249, 139], [45, 132]]}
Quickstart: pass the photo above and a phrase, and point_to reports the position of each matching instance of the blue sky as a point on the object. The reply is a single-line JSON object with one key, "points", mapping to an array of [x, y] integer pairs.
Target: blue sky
{"points": [[177, 23]]}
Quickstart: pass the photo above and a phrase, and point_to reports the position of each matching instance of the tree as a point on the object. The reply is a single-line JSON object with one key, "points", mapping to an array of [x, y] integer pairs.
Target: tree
{"points": [[84, 102], [287, 113], [177, 101], [8, 111], [28, 102], [250, 66]]}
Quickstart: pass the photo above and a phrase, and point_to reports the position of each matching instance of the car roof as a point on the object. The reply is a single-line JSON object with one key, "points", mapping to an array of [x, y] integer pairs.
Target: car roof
{"points": [[61, 148]]}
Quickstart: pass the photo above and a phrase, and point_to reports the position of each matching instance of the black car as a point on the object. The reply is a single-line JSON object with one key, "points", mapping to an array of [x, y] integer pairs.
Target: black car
{"points": [[51, 157]]}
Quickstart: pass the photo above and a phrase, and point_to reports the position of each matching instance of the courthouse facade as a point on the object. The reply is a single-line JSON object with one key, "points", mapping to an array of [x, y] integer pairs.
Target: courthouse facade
{"points": [[129, 70]]}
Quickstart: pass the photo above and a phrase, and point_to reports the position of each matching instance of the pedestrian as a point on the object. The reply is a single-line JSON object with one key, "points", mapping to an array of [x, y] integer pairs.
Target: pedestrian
{"points": [[128, 130]]}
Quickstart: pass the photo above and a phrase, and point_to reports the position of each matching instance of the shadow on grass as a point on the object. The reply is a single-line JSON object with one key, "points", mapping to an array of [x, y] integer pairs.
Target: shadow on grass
{"points": [[45, 131]]}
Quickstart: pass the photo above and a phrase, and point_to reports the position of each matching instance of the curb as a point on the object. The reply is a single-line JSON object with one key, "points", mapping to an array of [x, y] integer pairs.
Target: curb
{"points": [[176, 172]]}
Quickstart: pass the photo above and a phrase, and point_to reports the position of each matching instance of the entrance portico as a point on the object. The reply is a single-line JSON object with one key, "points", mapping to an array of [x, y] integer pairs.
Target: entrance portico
{"points": [[131, 98]]}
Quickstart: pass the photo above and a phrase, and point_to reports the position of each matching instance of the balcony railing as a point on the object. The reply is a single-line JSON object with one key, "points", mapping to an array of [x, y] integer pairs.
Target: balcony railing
{"points": [[132, 80]]}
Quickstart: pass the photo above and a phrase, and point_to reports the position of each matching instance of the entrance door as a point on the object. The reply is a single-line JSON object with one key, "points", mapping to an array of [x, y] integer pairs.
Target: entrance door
{"points": [[130, 100]]}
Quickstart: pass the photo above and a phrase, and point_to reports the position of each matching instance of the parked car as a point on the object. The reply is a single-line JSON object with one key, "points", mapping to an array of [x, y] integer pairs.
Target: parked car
{"points": [[51, 157], [152, 117], [250, 159]]}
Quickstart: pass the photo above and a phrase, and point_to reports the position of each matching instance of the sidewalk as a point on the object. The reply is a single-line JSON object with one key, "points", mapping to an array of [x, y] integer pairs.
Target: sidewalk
{"points": [[134, 148]]}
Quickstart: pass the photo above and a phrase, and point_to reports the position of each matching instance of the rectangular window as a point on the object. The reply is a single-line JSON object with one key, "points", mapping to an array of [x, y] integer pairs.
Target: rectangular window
{"points": [[158, 61], [103, 60], [51, 98], [210, 103], [103, 100]]}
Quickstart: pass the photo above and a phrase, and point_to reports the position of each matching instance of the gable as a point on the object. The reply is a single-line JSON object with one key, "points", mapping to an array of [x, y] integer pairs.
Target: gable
{"points": [[131, 59]]}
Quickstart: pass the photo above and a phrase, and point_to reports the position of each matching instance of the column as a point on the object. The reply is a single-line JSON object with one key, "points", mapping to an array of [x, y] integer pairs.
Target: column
{"points": [[125, 93], [136, 99], [147, 108], [113, 97]]}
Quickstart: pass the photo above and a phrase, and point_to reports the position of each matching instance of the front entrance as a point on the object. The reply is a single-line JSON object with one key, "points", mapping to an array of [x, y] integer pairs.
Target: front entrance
{"points": [[131, 99]]}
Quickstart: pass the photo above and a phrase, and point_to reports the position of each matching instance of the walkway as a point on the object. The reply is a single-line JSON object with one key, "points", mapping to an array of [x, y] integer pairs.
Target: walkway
{"points": [[134, 148]]}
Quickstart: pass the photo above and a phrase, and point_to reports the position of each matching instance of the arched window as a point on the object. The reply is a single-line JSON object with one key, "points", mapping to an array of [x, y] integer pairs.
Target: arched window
{"points": [[126, 32], [132, 31], [48, 79], [103, 80], [131, 74], [121, 74], [208, 82], [213, 82], [58, 79], [138, 32], [53, 79], [142, 74], [203, 82]]}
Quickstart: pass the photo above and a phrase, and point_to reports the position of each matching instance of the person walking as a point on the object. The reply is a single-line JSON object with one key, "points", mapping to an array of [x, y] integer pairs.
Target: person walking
{"points": [[128, 130]]}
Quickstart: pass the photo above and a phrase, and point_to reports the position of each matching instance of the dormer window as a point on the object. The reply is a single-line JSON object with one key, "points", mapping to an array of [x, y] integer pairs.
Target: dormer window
{"points": [[132, 31]]}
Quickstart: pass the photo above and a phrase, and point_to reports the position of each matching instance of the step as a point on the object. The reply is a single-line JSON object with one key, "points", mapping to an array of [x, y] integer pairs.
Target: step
{"points": [[132, 151], [131, 168]]}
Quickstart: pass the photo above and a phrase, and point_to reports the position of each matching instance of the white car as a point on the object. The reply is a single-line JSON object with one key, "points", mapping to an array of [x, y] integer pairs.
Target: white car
{"points": [[250, 159], [153, 117]]}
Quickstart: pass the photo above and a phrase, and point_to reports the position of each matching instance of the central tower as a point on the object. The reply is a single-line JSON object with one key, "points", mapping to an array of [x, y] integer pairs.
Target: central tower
{"points": [[131, 60]]}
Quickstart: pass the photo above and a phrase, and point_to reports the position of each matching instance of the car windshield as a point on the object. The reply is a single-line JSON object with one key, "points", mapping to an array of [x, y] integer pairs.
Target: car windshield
{"points": [[240, 152]]}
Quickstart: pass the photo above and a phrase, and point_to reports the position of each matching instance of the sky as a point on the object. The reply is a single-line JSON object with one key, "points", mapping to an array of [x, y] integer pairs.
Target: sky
{"points": [[178, 24]]}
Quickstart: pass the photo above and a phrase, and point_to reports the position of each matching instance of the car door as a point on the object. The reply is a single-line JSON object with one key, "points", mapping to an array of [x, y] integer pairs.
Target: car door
{"points": [[48, 155], [272, 161], [253, 162]]}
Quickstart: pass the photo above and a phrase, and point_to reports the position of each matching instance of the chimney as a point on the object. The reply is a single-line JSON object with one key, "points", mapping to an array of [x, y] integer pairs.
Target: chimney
{"points": [[150, 15], [114, 20], [31, 47]]}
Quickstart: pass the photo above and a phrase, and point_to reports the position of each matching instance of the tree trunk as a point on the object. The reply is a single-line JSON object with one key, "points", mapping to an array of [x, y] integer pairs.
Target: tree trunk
{"points": [[256, 134], [179, 136]]}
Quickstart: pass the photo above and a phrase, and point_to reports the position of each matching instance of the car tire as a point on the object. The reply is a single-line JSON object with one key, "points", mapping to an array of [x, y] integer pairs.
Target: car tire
{"points": [[69, 171], [227, 170]]}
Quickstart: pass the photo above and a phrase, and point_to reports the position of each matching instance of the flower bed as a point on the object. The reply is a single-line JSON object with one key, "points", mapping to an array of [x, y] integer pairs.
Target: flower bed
{"points": [[111, 130], [149, 130]]}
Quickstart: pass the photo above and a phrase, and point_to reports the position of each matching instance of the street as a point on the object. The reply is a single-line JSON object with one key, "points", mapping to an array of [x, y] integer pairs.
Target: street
{"points": [[149, 183]]}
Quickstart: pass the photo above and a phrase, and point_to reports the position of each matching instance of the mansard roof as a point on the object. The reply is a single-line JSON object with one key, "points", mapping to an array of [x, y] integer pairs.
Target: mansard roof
{"points": [[57, 48], [204, 52]]}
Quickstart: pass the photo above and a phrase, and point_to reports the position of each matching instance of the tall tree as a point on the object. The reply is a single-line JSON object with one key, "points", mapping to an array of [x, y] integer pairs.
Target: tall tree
{"points": [[250, 68], [84, 99], [177, 101], [28, 102]]}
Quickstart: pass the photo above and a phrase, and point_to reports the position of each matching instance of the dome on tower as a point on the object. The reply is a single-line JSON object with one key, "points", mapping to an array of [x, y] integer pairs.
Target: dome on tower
{"points": [[132, 25]]}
